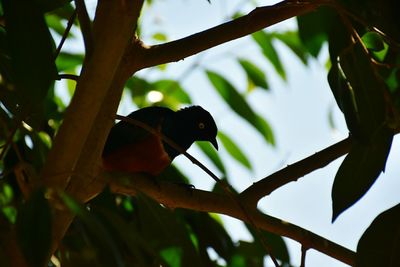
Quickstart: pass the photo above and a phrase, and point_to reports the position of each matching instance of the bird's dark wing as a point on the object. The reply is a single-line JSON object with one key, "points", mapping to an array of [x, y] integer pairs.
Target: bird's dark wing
{"points": [[124, 133]]}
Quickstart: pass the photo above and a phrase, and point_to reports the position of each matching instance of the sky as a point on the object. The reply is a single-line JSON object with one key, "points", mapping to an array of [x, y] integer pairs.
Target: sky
{"points": [[296, 109]]}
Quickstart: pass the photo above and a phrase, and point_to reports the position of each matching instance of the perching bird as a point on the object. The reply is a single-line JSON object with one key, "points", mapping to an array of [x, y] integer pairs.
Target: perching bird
{"points": [[130, 148]]}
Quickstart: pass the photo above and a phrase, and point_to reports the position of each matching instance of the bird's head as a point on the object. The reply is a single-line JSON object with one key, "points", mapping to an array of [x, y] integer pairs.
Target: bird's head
{"points": [[200, 123]]}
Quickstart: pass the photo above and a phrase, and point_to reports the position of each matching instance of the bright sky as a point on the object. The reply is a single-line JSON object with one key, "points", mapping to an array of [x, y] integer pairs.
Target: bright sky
{"points": [[298, 113]]}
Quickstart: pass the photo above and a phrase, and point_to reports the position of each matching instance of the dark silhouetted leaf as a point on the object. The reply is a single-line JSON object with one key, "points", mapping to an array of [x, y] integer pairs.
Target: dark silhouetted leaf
{"points": [[165, 230], [239, 105], [210, 233], [368, 89], [100, 237], [313, 28], [234, 150], [264, 40], [254, 74], [380, 243], [34, 229], [31, 49], [275, 243], [359, 171]]}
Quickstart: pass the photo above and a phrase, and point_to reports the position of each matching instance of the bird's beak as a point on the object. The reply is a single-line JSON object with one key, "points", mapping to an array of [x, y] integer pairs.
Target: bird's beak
{"points": [[214, 143]]}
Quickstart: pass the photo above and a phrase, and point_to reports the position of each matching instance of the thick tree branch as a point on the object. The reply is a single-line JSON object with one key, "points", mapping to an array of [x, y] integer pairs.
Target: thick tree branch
{"points": [[177, 196], [256, 20], [293, 172], [113, 18], [71, 161]]}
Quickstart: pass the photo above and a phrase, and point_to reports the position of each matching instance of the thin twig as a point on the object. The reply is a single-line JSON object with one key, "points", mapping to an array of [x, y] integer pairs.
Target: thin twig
{"points": [[68, 77], [65, 35]]}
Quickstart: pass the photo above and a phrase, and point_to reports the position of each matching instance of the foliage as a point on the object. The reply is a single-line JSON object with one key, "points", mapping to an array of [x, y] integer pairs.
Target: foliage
{"points": [[115, 230]]}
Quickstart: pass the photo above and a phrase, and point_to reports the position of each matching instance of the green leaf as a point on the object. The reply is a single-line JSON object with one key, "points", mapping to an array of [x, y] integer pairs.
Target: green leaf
{"points": [[254, 74], [239, 105], [212, 155], [172, 255], [359, 171], [264, 41], [160, 37], [234, 150], [292, 40], [174, 94], [68, 62], [34, 229], [380, 243], [373, 41]]}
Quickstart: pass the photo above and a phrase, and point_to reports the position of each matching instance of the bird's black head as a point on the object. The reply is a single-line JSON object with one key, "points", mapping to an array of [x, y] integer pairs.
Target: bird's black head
{"points": [[199, 123], [188, 125]]}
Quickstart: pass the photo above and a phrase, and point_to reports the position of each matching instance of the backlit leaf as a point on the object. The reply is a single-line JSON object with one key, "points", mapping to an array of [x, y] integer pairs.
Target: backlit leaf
{"points": [[234, 150], [239, 105], [264, 41], [254, 74]]}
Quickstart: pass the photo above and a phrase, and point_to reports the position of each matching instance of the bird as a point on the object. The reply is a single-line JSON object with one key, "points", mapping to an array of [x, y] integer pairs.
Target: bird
{"points": [[133, 149]]}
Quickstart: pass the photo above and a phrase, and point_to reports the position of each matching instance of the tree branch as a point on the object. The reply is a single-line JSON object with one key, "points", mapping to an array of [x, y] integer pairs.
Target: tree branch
{"points": [[293, 172], [256, 20], [113, 18], [177, 196], [86, 26]]}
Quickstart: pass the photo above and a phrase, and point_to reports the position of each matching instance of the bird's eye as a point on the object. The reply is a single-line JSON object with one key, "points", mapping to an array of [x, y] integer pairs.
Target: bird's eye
{"points": [[201, 125]]}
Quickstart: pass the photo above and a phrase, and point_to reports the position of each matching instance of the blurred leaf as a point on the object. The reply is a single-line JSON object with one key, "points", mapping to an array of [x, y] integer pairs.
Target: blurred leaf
{"points": [[373, 41], [34, 229], [292, 40], [234, 150], [165, 230], [172, 256], [54, 23], [275, 243], [359, 171], [101, 239], [160, 37], [67, 61], [239, 105], [173, 92], [264, 41], [210, 233], [380, 243], [212, 155], [254, 74]]}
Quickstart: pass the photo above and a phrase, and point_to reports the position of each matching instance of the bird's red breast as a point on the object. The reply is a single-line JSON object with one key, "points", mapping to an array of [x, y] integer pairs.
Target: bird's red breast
{"points": [[146, 156]]}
